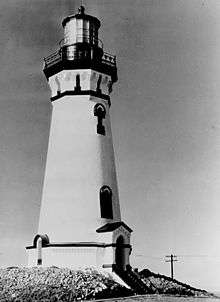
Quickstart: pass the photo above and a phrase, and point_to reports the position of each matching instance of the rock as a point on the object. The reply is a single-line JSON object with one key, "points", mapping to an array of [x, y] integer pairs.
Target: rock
{"points": [[56, 284]]}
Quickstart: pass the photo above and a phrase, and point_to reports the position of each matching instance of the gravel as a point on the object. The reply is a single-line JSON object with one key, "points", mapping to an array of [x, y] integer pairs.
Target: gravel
{"points": [[57, 284]]}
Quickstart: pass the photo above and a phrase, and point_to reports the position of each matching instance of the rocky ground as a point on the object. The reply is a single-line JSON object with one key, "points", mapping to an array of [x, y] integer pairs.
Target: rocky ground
{"points": [[56, 284], [161, 284], [59, 284]]}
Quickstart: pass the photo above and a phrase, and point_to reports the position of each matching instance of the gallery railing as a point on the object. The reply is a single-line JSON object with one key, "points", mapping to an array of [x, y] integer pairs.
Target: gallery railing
{"points": [[61, 55]]}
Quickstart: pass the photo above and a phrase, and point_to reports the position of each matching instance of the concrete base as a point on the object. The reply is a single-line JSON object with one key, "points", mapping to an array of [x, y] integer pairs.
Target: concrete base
{"points": [[111, 247], [72, 257]]}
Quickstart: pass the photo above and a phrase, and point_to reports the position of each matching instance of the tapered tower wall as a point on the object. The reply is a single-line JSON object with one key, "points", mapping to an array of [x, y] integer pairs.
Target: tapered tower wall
{"points": [[79, 163]]}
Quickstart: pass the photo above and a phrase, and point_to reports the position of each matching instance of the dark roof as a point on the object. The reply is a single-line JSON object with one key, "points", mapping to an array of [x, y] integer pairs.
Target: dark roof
{"points": [[110, 227], [81, 15]]}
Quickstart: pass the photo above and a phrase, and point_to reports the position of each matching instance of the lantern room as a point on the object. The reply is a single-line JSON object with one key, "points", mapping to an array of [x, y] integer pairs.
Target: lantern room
{"points": [[81, 37], [81, 48]]}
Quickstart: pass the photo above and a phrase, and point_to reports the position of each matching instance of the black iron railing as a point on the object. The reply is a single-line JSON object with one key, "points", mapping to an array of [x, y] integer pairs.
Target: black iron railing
{"points": [[53, 58], [132, 279], [59, 56], [109, 59]]}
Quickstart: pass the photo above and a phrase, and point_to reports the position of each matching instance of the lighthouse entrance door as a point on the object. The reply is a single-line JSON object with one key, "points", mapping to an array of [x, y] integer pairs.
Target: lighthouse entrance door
{"points": [[120, 253]]}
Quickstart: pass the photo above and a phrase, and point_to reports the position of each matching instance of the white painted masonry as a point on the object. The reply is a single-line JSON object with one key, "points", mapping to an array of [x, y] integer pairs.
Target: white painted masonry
{"points": [[65, 80], [79, 163]]}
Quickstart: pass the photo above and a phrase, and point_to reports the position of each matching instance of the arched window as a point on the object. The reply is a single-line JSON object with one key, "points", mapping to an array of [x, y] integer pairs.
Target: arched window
{"points": [[100, 112], [106, 202]]}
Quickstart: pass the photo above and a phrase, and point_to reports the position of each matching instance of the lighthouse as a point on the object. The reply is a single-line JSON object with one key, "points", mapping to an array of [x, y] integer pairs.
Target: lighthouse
{"points": [[80, 221]]}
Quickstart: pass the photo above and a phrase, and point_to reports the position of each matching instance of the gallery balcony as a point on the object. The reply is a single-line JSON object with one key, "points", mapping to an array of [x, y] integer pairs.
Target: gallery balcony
{"points": [[83, 54]]}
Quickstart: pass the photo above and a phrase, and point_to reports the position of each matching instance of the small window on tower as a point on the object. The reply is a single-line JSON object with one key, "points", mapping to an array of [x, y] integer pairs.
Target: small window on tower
{"points": [[106, 202], [100, 112], [98, 89], [77, 87]]}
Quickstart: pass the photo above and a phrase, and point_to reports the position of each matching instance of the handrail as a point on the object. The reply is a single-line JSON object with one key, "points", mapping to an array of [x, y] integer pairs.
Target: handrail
{"points": [[56, 57], [52, 56], [108, 58], [131, 279]]}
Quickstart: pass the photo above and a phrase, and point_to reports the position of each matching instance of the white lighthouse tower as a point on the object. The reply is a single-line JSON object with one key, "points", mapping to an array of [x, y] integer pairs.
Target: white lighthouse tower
{"points": [[80, 222]]}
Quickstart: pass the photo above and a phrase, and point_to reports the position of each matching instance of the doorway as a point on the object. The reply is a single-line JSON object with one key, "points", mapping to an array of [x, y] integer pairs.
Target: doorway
{"points": [[120, 253]]}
